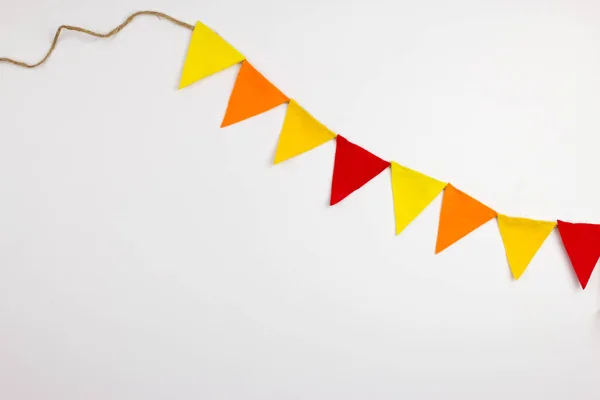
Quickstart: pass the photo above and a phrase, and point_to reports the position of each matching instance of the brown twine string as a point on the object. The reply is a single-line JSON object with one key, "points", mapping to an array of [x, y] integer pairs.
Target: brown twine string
{"points": [[96, 34]]}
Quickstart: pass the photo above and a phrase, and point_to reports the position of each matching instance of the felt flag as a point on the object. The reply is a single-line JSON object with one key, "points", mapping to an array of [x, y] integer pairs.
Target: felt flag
{"points": [[207, 54], [300, 133], [413, 192], [352, 169], [582, 243], [522, 238], [461, 214], [252, 94]]}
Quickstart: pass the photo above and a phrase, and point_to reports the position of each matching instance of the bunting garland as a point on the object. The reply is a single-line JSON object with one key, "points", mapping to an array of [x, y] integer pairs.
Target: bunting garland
{"points": [[461, 214]]}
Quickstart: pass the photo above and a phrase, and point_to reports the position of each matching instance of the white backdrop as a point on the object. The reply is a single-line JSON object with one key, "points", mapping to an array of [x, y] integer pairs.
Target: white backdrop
{"points": [[147, 254]]}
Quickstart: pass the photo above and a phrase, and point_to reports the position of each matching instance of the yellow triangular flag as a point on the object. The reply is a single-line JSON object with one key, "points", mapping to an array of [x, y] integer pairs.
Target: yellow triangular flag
{"points": [[522, 238], [300, 132], [207, 54], [412, 193]]}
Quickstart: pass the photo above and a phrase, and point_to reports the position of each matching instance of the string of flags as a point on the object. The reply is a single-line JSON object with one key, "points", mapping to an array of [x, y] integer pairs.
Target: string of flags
{"points": [[461, 214]]}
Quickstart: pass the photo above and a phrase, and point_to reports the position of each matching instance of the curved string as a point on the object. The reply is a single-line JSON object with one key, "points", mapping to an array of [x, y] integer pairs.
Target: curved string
{"points": [[95, 34]]}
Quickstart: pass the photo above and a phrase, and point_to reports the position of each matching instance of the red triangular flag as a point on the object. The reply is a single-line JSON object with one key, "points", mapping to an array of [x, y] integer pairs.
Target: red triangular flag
{"points": [[353, 167], [582, 242]]}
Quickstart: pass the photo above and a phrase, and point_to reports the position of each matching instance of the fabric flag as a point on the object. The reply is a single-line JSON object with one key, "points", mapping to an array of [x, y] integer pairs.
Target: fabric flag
{"points": [[207, 54], [461, 214], [582, 243], [300, 133], [522, 238], [413, 192], [252, 94], [353, 168]]}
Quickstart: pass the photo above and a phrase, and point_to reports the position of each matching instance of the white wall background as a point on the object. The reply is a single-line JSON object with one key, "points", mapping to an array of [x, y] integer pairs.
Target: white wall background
{"points": [[147, 254]]}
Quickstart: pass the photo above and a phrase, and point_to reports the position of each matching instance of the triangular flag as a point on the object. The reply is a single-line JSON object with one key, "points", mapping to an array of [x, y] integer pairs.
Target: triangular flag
{"points": [[522, 238], [582, 243], [461, 214], [353, 167], [252, 94], [207, 54], [413, 191], [300, 132]]}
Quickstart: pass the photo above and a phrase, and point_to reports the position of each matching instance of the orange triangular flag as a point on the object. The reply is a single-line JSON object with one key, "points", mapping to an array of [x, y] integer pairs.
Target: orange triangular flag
{"points": [[461, 214], [252, 94]]}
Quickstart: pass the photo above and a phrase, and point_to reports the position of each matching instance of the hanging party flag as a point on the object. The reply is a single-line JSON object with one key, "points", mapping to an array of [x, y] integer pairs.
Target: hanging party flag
{"points": [[461, 214], [582, 243], [207, 54], [413, 192], [300, 132], [352, 169], [252, 94], [522, 238]]}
